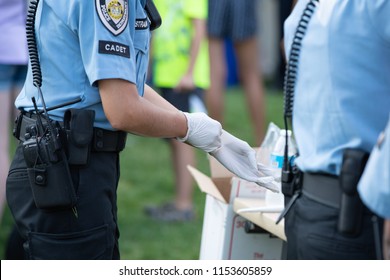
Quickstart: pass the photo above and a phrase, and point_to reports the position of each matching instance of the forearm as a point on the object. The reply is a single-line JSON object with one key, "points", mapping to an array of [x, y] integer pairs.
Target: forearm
{"points": [[148, 116], [152, 96], [151, 116]]}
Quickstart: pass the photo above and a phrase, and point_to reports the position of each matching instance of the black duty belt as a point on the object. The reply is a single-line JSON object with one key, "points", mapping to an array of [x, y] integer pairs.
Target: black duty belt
{"points": [[103, 140], [322, 188]]}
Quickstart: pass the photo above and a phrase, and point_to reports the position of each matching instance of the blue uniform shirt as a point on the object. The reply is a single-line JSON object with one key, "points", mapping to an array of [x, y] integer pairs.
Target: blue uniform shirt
{"points": [[81, 42], [342, 95], [374, 186]]}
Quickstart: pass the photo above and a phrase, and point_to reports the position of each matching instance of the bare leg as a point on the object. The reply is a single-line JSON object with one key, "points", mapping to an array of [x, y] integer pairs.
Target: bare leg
{"points": [[252, 81], [7, 113], [5, 99], [215, 95], [183, 155]]}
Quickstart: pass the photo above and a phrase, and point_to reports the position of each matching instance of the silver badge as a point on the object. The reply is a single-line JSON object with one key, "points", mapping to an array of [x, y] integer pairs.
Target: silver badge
{"points": [[114, 14]]}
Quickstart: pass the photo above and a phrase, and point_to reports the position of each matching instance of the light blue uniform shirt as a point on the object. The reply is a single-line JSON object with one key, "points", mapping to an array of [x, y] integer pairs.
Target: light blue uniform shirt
{"points": [[342, 95], [374, 186], [81, 42]]}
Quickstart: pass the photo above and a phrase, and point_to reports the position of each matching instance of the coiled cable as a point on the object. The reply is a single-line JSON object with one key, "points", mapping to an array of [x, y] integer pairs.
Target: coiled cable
{"points": [[32, 45], [36, 68], [291, 71]]}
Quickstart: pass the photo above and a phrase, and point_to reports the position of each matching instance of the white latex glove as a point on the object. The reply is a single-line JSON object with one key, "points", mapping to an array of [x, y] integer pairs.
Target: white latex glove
{"points": [[238, 157], [203, 132], [267, 171]]}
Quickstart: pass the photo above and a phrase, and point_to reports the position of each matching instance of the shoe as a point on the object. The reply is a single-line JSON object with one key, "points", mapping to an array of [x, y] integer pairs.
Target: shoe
{"points": [[169, 213]]}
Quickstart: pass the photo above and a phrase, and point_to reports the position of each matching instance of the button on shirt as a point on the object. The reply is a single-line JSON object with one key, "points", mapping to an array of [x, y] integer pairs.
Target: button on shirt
{"points": [[81, 42], [342, 93]]}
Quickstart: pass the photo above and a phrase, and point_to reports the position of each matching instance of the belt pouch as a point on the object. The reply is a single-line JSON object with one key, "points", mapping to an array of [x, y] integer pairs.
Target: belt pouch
{"points": [[52, 185], [351, 207], [79, 128]]}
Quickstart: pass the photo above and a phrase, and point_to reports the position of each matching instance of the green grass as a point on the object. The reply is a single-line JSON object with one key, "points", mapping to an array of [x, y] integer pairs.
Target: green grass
{"points": [[147, 178]]}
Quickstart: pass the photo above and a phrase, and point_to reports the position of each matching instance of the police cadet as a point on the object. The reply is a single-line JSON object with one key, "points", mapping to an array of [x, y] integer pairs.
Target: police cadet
{"points": [[341, 53], [93, 57], [374, 185]]}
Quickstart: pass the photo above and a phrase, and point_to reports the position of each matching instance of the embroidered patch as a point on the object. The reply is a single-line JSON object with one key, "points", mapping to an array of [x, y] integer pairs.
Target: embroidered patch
{"points": [[141, 24], [114, 14], [114, 48]]}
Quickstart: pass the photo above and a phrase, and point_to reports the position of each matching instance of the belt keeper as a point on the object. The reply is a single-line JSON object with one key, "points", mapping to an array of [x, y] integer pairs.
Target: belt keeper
{"points": [[98, 143], [108, 141]]}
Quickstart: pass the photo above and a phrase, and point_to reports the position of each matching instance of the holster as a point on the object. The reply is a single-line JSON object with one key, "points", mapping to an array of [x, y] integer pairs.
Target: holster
{"points": [[79, 129], [351, 207]]}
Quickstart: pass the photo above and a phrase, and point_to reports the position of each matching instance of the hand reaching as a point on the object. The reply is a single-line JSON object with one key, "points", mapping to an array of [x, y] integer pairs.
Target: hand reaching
{"points": [[239, 158], [236, 155]]}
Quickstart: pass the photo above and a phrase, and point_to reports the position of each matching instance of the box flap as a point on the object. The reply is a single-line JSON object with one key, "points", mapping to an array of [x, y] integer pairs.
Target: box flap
{"points": [[206, 184], [224, 187]]}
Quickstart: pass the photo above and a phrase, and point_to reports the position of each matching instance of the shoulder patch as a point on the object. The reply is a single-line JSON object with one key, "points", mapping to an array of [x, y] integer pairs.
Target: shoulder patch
{"points": [[115, 48], [114, 14]]}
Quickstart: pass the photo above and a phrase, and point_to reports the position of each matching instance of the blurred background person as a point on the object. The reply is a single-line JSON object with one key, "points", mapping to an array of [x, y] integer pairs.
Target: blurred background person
{"points": [[236, 21], [13, 69], [181, 72], [285, 7]]}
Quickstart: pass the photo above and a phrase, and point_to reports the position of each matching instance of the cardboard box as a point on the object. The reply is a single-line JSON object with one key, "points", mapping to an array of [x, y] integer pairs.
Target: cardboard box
{"points": [[223, 234]]}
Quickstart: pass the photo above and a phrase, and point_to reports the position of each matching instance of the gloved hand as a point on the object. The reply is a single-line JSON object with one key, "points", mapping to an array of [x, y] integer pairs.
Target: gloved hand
{"points": [[267, 171], [203, 132], [276, 176], [239, 158]]}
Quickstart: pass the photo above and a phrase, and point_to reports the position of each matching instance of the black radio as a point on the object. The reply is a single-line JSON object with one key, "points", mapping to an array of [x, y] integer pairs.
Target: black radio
{"points": [[47, 165], [39, 150]]}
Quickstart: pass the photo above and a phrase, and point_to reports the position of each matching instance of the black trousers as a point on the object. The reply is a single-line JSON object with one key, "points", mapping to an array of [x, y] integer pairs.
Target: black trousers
{"points": [[61, 234], [311, 231]]}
